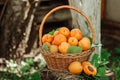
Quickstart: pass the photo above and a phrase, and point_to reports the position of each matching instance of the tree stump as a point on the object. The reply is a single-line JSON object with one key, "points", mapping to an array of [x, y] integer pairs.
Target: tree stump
{"points": [[47, 74]]}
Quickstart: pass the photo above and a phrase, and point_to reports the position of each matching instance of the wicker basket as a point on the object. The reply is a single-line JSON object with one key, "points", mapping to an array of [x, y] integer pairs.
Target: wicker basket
{"points": [[60, 62]]}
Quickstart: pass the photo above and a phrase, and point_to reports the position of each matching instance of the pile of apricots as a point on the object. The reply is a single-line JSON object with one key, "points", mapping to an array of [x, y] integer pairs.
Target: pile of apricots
{"points": [[61, 40]]}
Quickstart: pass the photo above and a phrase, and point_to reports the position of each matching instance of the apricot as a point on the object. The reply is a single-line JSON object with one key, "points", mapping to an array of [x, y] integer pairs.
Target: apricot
{"points": [[54, 49], [73, 41], [63, 47], [84, 43], [47, 38], [55, 33], [86, 63], [89, 70], [65, 31], [58, 39], [75, 67], [76, 33]]}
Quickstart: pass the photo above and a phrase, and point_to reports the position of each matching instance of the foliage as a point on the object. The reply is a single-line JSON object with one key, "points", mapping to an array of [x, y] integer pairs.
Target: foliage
{"points": [[100, 62], [13, 76], [116, 63], [52, 32], [117, 50], [28, 69], [116, 68], [84, 76], [74, 49], [45, 46], [105, 54]]}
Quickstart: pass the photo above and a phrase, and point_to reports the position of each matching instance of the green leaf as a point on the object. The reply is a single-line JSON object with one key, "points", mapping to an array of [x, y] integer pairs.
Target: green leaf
{"points": [[75, 49], [104, 62], [101, 71], [117, 50], [57, 29], [52, 32], [35, 76], [116, 59], [95, 60], [25, 67], [45, 46], [105, 54], [30, 61], [117, 71]]}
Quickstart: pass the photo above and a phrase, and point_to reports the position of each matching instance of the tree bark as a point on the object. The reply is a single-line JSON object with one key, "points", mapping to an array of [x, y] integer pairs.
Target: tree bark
{"points": [[16, 27], [92, 9]]}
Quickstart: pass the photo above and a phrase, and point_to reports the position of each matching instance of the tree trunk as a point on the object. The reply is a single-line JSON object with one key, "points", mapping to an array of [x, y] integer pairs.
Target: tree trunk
{"points": [[16, 28], [92, 9]]}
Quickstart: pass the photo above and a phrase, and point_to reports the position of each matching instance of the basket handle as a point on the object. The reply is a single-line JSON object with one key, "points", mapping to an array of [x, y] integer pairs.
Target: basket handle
{"points": [[61, 7]]}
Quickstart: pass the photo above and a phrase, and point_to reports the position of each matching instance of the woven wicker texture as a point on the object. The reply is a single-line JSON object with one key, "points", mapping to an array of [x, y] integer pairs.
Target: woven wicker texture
{"points": [[60, 62]]}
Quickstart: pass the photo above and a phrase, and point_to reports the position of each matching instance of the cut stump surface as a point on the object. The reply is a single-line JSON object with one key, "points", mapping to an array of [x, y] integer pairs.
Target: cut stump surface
{"points": [[47, 74]]}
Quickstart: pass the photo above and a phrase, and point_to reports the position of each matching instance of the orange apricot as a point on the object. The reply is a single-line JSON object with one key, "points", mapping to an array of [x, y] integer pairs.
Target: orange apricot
{"points": [[47, 38], [58, 39], [76, 33], [73, 41], [65, 31], [86, 63], [63, 47], [84, 43], [55, 33], [75, 67], [89, 69], [54, 49]]}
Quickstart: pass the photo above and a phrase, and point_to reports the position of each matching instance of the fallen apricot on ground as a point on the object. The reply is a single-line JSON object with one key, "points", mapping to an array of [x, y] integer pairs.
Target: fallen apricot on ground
{"points": [[75, 67], [89, 69], [86, 63]]}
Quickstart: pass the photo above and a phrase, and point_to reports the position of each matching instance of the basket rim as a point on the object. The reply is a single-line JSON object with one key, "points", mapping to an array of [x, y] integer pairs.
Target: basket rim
{"points": [[82, 54]]}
